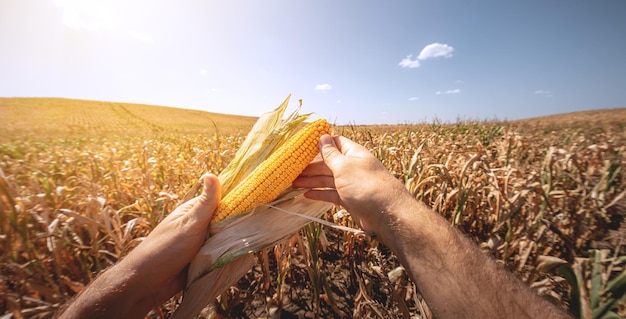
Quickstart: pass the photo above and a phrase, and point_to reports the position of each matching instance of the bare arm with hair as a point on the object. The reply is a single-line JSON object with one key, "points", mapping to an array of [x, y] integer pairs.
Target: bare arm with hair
{"points": [[454, 276], [154, 271]]}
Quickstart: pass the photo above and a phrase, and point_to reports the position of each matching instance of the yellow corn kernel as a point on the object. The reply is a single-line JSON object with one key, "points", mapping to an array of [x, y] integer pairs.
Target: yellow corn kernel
{"points": [[274, 174]]}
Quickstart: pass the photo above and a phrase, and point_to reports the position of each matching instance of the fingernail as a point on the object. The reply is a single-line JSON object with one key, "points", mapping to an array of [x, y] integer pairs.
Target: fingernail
{"points": [[326, 140], [209, 183]]}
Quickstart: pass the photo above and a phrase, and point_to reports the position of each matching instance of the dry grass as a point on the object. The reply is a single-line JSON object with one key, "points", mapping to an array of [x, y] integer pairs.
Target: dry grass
{"points": [[74, 199], [62, 118]]}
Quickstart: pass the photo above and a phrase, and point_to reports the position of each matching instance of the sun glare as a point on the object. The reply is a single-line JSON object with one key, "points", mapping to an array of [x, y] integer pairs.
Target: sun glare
{"points": [[89, 15]]}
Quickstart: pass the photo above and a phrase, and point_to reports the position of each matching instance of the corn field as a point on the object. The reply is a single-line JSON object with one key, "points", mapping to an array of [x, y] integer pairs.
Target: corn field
{"points": [[79, 189]]}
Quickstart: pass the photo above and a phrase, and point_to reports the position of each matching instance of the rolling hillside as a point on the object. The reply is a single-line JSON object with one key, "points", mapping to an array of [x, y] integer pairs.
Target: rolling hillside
{"points": [[55, 117], [58, 117], [615, 116]]}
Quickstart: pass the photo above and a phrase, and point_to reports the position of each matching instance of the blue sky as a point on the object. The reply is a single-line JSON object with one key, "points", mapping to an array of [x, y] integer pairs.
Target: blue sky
{"points": [[359, 62]]}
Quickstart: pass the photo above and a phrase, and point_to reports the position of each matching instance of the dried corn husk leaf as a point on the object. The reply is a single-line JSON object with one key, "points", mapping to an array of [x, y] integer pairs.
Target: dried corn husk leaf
{"points": [[225, 256]]}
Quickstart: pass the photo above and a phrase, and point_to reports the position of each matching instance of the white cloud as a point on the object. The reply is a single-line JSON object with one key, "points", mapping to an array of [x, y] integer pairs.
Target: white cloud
{"points": [[454, 91], [413, 98], [409, 63], [323, 87], [338, 101], [90, 15], [141, 36], [435, 50], [546, 93], [202, 71]]}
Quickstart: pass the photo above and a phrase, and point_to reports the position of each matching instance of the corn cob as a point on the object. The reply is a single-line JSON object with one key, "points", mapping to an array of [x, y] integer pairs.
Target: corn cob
{"points": [[275, 174]]}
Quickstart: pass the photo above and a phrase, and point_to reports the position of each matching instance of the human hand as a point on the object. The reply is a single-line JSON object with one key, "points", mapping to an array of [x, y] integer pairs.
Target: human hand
{"points": [[156, 269], [161, 260], [431, 251], [355, 180]]}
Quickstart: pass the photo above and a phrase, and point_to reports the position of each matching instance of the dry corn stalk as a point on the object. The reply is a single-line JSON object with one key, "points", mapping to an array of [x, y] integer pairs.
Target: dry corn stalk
{"points": [[256, 187]]}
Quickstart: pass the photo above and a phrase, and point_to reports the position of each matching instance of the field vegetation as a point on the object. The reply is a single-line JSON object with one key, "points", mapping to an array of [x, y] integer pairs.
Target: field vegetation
{"points": [[81, 182]]}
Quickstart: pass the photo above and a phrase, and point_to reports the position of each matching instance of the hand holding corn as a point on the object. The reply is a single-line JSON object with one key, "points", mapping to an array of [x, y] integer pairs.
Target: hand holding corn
{"points": [[156, 269], [455, 277]]}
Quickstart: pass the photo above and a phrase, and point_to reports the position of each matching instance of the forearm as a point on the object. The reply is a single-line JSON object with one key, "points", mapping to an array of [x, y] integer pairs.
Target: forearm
{"points": [[113, 294], [155, 270], [454, 276]]}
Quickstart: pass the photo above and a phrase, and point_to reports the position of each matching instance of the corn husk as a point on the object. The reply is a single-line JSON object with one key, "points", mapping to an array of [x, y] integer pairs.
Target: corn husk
{"points": [[227, 254]]}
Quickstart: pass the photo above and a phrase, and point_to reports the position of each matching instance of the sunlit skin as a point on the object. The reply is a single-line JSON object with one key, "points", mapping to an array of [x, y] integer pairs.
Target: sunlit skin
{"points": [[135, 285], [454, 276]]}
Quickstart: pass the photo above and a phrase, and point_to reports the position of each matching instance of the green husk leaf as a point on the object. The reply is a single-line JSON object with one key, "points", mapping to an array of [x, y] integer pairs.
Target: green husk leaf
{"points": [[596, 279]]}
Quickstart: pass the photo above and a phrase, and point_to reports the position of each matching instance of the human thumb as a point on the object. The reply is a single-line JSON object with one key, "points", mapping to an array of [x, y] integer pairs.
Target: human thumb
{"points": [[329, 150], [206, 205]]}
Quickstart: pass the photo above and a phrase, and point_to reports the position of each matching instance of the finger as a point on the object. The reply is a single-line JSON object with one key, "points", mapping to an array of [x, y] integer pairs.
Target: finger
{"points": [[324, 195], [314, 182], [317, 168], [348, 147], [330, 153], [204, 208]]}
